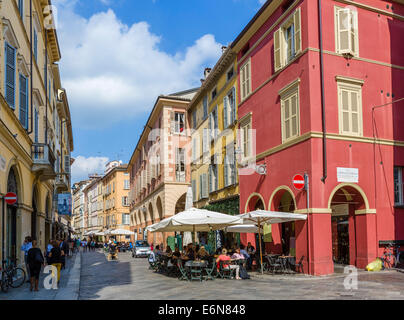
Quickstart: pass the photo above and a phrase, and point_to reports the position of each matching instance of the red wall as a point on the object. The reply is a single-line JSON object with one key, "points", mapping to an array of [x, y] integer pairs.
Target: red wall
{"points": [[375, 162]]}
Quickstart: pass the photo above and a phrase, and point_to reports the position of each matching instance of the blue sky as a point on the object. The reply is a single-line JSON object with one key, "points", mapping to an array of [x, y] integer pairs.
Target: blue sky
{"points": [[119, 55]]}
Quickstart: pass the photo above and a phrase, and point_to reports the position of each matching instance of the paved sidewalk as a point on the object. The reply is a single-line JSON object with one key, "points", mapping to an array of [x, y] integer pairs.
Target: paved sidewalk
{"points": [[68, 288], [131, 279]]}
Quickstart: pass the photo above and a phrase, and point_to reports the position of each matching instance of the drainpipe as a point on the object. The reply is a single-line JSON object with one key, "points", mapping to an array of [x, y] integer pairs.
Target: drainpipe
{"points": [[320, 35], [46, 85], [31, 66]]}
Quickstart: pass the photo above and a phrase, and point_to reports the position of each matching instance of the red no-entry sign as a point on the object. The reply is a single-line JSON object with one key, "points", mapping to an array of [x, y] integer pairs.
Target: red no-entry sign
{"points": [[10, 198], [298, 182]]}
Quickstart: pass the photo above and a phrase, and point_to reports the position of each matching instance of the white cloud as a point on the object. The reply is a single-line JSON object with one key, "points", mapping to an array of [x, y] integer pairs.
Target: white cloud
{"points": [[83, 166], [113, 71]]}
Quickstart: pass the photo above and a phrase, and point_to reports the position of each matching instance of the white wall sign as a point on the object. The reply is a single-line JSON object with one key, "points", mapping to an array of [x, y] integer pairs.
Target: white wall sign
{"points": [[348, 175], [2, 163]]}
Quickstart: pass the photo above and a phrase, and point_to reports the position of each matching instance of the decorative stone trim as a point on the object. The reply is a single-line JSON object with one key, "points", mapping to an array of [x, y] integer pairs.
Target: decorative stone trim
{"points": [[365, 211]]}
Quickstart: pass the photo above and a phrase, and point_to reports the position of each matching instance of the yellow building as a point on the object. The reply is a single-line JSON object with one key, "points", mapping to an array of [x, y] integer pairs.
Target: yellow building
{"points": [[35, 127], [213, 115], [116, 186]]}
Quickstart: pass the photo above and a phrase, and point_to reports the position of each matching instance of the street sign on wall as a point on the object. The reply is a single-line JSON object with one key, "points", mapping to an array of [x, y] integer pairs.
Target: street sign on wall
{"points": [[348, 175], [10, 198], [298, 182]]}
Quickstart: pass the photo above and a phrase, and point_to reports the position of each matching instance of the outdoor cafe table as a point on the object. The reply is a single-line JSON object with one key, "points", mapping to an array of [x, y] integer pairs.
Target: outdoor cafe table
{"points": [[286, 262]]}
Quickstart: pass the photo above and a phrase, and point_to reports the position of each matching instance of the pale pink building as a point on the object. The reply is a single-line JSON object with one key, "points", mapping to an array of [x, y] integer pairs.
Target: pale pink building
{"points": [[159, 167]]}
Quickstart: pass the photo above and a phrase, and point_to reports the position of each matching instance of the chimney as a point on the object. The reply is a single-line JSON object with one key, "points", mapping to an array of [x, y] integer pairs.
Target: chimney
{"points": [[224, 49], [206, 72]]}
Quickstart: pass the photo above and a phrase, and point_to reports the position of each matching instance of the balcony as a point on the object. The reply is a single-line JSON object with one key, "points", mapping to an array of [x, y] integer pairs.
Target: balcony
{"points": [[43, 161], [62, 182]]}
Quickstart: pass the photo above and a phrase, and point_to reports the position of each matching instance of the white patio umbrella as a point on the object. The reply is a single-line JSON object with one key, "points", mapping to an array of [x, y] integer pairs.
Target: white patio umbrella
{"points": [[122, 232], [196, 220], [243, 228], [261, 217]]}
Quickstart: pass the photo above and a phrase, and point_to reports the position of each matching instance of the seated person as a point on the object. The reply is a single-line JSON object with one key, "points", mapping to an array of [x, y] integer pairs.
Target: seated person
{"points": [[244, 252], [152, 257], [176, 254], [169, 252], [202, 253], [225, 257], [157, 250]]}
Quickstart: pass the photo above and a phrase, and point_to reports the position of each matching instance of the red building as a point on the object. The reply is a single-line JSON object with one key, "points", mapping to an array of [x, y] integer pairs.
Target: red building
{"points": [[321, 83]]}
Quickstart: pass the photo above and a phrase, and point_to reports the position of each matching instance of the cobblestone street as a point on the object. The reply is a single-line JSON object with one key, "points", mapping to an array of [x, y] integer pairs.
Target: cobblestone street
{"points": [[131, 278]]}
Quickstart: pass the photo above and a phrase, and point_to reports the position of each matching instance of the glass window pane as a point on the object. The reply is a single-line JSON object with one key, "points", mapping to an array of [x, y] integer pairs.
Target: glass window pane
{"points": [[354, 101], [294, 126], [344, 100], [287, 129], [355, 123], [294, 105], [287, 113]]}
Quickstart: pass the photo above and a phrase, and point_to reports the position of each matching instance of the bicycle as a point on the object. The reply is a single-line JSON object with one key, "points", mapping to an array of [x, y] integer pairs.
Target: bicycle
{"points": [[389, 259], [4, 283], [12, 275]]}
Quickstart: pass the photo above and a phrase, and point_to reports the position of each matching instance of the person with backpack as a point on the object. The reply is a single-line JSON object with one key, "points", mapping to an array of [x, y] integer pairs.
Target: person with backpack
{"points": [[35, 261], [55, 257]]}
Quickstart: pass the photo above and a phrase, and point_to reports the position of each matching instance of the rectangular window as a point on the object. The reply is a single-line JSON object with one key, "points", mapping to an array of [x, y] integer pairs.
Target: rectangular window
{"points": [[194, 124], [180, 164], [245, 138], [125, 219], [290, 114], [245, 80], [67, 164], [230, 73], [398, 186], [126, 184], [179, 122], [213, 124], [213, 177], [350, 109], [10, 75], [194, 191], [35, 45], [204, 186], [229, 166], [346, 31], [23, 101], [214, 93], [205, 107], [229, 108], [287, 41], [21, 8], [125, 201], [205, 140]]}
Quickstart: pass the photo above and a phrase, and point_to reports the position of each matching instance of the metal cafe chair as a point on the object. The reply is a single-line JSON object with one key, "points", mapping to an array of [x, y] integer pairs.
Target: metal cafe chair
{"points": [[225, 272], [183, 271], [210, 269]]}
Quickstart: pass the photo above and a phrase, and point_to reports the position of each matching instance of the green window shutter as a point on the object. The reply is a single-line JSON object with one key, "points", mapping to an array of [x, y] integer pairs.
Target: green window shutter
{"points": [[23, 101], [210, 178], [233, 105], [10, 75], [225, 108]]}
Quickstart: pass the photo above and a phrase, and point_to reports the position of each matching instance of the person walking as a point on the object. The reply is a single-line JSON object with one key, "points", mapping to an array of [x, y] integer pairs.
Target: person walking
{"points": [[48, 250], [25, 247], [65, 249], [35, 261], [55, 257]]}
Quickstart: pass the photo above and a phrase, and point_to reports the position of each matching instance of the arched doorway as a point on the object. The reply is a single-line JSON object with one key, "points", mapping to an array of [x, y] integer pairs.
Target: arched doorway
{"points": [[344, 201], [159, 208], [151, 213], [11, 226], [179, 236], [283, 234], [34, 220]]}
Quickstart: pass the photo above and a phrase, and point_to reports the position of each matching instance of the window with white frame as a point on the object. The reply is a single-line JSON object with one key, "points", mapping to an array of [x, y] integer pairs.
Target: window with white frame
{"points": [[213, 124], [245, 80], [245, 138], [229, 108], [287, 40], [125, 219], [350, 106], [205, 107], [398, 186], [180, 164], [229, 166], [179, 122], [213, 177], [346, 31], [126, 184], [290, 114]]}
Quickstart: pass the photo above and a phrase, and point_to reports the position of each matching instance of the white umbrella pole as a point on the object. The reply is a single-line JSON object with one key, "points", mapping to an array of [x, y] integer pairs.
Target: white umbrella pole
{"points": [[259, 239], [194, 235]]}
